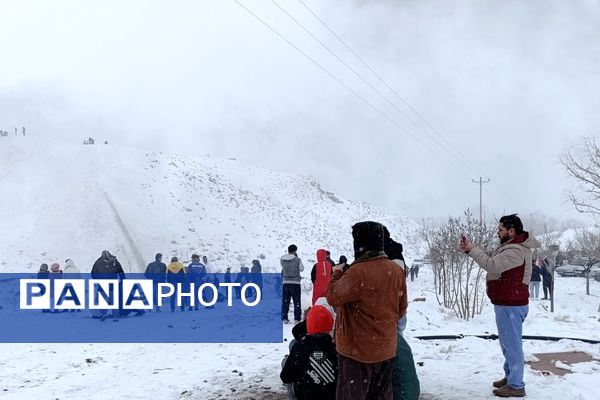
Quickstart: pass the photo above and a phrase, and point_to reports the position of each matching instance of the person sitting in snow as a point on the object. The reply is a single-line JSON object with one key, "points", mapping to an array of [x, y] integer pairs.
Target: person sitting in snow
{"points": [[311, 367]]}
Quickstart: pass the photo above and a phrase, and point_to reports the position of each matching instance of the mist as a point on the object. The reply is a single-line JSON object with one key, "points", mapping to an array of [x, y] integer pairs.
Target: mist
{"points": [[509, 84]]}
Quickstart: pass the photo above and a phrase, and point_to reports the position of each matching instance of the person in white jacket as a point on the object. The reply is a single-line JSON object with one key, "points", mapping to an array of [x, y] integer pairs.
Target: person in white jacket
{"points": [[71, 268], [72, 271]]}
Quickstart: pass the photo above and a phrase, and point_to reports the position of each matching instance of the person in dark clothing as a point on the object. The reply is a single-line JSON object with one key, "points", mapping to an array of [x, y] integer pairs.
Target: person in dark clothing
{"points": [[43, 272], [412, 272], [256, 274], [157, 271], [405, 382], [108, 267], [534, 283], [344, 263], [242, 278], [312, 364], [196, 274], [328, 257], [546, 278]]}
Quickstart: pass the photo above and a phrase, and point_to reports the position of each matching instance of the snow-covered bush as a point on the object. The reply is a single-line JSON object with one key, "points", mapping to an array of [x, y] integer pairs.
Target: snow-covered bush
{"points": [[459, 282]]}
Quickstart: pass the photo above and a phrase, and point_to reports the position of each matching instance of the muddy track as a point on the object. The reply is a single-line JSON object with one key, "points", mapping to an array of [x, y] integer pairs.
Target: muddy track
{"points": [[139, 259]]}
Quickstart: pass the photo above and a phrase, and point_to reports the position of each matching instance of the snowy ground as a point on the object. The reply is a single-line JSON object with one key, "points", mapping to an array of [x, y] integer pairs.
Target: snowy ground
{"points": [[457, 369]]}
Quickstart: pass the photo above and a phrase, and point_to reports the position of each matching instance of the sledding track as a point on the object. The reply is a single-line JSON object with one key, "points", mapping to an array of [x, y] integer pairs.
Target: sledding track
{"points": [[132, 246]]}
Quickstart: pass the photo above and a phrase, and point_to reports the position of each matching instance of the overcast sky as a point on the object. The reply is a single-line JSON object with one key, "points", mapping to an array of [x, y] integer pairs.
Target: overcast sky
{"points": [[506, 85]]}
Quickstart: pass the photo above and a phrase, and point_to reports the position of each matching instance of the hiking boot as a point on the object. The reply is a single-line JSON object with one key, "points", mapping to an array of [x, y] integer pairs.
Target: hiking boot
{"points": [[500, 383], [508, 391]]}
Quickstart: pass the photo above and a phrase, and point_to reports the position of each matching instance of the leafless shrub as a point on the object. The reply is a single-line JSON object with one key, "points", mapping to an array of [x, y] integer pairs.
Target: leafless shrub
{"points": [[459, 282]]}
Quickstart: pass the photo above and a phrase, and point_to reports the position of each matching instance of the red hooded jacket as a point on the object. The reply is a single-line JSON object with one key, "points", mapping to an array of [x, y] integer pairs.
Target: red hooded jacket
{"points": [[323, 275]]}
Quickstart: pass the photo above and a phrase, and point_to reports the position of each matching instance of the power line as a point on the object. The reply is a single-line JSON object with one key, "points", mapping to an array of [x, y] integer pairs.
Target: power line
{"points": [[480, 182], [382, 80], [379, 111], [460, 160]]}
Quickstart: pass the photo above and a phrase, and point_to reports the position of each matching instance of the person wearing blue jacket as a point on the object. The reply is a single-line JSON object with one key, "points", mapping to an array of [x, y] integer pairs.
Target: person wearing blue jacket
{"points": [[196, 274]]}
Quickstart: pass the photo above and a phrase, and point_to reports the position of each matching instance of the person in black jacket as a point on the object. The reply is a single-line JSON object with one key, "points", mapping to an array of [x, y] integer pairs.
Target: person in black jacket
{"points": [[108, 267], [534, 283], [256, 273], [311, 367], [157, 271], [43, 273], [546, 278]]}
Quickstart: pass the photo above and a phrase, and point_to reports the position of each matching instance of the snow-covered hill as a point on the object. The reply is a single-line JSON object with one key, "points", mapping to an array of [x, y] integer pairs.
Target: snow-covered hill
{"points": [[62, 200]]}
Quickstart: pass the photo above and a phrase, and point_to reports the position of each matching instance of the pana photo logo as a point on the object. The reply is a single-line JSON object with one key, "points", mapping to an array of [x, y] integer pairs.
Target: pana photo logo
{"points": [[130, 294]]}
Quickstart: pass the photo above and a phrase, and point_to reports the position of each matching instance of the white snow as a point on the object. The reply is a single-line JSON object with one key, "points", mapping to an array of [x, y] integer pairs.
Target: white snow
{"points": [[64, 200], [56, 208]]}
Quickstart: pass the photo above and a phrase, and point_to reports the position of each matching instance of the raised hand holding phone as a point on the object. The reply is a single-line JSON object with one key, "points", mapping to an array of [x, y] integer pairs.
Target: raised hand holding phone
{"points": [[464, 244]]}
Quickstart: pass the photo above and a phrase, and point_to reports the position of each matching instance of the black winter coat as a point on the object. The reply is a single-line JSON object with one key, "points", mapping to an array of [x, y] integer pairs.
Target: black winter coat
{"points": [[312, 368], [536, 275], [157, 271], [107, 268], [546, 275]]}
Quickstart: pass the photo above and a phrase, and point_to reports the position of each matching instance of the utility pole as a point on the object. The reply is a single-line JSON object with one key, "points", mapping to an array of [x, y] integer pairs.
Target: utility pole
{"points": [[480, 182]]}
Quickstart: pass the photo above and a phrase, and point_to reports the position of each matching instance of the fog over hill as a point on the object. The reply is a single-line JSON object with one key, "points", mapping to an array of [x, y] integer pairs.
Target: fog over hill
{"points": [[63, 200]]}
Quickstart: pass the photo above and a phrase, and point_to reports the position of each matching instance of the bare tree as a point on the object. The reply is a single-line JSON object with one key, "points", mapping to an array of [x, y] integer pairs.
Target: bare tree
{"points": [[586, 246], [582, 163], [459, 282], [550, 235]]}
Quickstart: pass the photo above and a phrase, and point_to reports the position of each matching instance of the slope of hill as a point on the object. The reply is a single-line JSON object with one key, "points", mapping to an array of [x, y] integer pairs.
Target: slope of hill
{"points": [[63, 200]]}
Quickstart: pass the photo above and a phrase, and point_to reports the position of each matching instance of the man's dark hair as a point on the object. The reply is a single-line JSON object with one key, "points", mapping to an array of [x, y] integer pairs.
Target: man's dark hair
{"points": [[292, 248], [512, 221], [158, 256]]}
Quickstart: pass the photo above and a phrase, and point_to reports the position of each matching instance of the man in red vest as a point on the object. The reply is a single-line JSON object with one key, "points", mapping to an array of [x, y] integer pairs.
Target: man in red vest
{"points": [[508, 273]]}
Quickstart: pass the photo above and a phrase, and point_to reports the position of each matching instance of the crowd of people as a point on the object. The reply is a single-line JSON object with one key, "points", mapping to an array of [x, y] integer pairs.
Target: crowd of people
{"points": [[349, 344], [197, 271], [364, 355]]}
